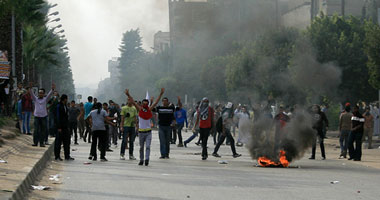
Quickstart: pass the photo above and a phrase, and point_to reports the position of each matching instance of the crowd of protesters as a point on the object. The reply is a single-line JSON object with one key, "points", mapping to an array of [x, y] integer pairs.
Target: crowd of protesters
{"points": [[106, 125]]}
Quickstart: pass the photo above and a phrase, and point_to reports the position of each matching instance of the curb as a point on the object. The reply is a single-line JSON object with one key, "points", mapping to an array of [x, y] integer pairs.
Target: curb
{"points": [[24, 188]]}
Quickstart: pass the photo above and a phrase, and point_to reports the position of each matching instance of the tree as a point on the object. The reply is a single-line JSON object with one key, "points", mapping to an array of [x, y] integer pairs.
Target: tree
{"points": [[213, 78], [372, 49], [131, 51], [341, 41], [41, 50], [259, 68], [25, 12]]}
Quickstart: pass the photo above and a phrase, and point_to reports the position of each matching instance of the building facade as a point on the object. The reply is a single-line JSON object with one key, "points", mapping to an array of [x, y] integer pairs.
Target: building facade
{"points": [[161, 42], [299, 13], [208, 28], [113, 68]]}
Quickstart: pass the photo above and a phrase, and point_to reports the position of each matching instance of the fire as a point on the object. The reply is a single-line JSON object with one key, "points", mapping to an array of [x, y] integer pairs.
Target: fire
{"points": [[266, 162]]}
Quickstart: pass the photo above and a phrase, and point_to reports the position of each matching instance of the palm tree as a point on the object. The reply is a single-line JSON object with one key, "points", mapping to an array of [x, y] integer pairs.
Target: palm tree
{"points": [[25, 12], [40, 49]]}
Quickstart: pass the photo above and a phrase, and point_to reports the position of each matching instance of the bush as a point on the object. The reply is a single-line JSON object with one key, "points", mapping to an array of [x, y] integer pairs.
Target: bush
{"points": [[333, 117]]}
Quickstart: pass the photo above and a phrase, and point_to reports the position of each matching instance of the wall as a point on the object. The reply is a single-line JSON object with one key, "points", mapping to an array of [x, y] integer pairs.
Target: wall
{"points": [[298, 18]]}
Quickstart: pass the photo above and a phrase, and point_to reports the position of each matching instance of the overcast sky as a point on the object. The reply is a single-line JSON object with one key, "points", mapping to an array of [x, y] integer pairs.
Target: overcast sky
{"points": [[94, 29]]}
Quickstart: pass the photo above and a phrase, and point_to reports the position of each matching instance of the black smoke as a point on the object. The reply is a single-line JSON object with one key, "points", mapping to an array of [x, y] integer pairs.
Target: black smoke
{"points": [[311, 80], [295, 138]]}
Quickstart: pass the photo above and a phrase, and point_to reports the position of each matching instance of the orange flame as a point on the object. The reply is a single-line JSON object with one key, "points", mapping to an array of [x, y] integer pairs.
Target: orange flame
{"points": [[266, 162]]}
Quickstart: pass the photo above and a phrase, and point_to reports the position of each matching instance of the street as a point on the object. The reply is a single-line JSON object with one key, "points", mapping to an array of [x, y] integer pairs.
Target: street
{"points": [[185, 176]]}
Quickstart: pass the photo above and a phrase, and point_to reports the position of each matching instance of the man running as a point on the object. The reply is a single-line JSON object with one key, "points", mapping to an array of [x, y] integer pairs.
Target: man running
{"points": [[195, 129], [227, 123]]}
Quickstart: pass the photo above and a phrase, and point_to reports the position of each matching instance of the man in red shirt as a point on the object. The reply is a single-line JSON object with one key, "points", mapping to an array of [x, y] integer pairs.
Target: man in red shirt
{"points": [[205, 118], [280, 120], [27, 109]]}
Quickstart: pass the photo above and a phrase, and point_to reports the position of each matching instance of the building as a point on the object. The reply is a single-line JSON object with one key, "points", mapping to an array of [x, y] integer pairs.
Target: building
{"points": [[161, 41], [299, 13], [208, 28], [113, 69], [233, 19]]}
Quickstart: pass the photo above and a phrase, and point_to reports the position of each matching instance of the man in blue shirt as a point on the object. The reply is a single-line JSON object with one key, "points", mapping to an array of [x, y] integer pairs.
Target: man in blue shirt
{"points": [[87, 109], [181, 118]]}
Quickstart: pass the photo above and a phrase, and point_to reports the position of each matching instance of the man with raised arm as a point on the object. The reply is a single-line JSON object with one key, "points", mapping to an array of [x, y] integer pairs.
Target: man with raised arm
{"points": [[145, 130], [40, 114]]}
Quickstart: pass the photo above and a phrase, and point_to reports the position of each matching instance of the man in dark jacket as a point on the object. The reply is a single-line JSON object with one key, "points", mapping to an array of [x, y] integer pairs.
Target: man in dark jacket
{"points": [[356, 135], [320, 120], [63, 135]]}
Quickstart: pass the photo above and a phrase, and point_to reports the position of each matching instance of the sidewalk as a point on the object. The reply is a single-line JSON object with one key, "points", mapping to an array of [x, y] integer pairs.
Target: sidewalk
{"points": [[370, 157], [24, 162]]}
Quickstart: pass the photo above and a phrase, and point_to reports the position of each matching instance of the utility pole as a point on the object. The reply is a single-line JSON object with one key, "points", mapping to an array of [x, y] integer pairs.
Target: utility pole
{"points": [[22, 62], [171, 34], [343, 7], [313, 10], [14, 48], [277, 15], [240, 24]]}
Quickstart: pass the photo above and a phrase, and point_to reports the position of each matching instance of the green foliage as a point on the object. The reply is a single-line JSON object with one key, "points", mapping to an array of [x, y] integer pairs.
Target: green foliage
{"points": [[39, 47], [342, 41], [333, 116], [372, 48], [131, 49], [25, 11], [42, 50], [140, 71], [213, 78], [291, 66], [131, 54], [258, 68]]}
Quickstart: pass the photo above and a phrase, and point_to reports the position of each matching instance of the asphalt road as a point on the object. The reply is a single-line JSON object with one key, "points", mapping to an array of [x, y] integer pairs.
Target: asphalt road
{"points": [[186, 176]]}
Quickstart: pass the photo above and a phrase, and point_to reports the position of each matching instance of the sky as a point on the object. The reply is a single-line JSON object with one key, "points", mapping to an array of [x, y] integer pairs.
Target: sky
{"points": [[94, 30]]}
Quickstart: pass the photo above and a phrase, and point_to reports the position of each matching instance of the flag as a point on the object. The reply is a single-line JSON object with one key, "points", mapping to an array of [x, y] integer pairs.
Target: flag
{"points": [[147, 96], [5, 70]]}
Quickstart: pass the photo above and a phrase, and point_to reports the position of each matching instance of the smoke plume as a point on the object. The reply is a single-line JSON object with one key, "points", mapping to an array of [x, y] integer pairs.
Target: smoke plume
{"points": [[295, 139], [311, 80]]}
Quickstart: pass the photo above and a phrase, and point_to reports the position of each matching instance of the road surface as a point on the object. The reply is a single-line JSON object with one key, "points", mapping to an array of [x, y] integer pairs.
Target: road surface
{"points": [[186, 176]]}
